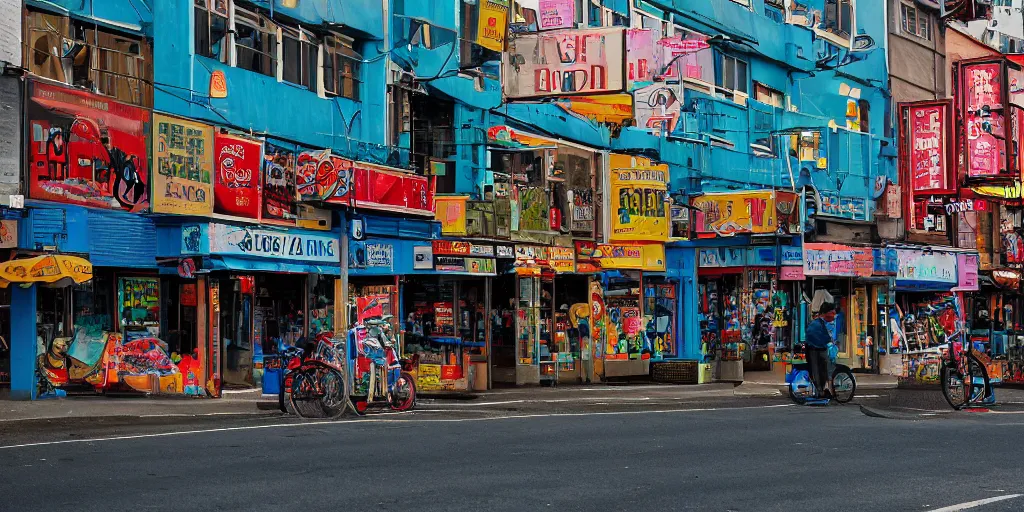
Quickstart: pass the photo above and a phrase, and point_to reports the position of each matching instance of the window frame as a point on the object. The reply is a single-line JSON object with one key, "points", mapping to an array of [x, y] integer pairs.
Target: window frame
{"points": [[206, 6], [918, 30], [720, 81], [336, 47], [308, 64], [637, 16], [255, 20], [772, 94]]}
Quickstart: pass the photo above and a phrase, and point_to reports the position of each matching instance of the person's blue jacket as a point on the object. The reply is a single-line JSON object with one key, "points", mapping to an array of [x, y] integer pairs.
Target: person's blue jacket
{"points": [[817, 334]]}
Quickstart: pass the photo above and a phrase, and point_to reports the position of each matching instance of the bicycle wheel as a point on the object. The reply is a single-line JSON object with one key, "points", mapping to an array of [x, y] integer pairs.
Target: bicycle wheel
{"points": [[844, 386], [979, 379], [302, 398], [801, 388], [953, 388], [403, 395], [334, 392]]}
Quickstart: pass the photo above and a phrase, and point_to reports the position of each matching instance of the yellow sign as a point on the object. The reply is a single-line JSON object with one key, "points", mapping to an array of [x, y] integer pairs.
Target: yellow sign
{"points": [[606, 108], [631, 256], [562, 259], [53, 269], [1009, 191], [493, 24], [639, 200], [428, 376], [183, 159], [450, 211], [756, 212]]}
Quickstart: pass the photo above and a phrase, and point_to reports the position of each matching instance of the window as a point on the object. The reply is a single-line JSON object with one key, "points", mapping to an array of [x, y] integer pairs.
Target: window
{"points": [[299, 52], [839, 18], [342, 67], [863, 115], [915, 22], [769, 96], [211, 29], [96, 59], [732, 76], [646, 20], [255, 42]]}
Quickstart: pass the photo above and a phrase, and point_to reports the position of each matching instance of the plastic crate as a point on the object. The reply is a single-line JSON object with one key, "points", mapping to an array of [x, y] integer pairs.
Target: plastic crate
{"points": [[675, 372]]}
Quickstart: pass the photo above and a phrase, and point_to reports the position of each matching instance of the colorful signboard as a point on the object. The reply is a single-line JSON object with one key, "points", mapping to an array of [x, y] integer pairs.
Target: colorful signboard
{"points": [[756, 212], [280, 190], [376, 187], [967, 272], [236, 184], [926, 266], [985, 119], [493, 24], [639, 199], [927, 146], [562, 259], [450, 211], [363, 255], [822, 259], [555, 14], [183, 159], [791, 274], [631, 256], [8, 234], [565, 63], [256, 242], [86, 149], [721, 257]]}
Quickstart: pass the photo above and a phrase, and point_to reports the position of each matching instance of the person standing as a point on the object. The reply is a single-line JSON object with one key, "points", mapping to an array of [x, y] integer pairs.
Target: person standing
{"points": [[818, 339]]}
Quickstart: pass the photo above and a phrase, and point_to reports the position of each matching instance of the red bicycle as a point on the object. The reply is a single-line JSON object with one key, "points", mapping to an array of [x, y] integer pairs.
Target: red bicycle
{"points": [[316, 381]]}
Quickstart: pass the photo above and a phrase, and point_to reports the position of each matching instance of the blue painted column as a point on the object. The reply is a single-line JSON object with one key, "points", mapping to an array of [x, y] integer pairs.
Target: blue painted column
{"points": [[23, 342]]}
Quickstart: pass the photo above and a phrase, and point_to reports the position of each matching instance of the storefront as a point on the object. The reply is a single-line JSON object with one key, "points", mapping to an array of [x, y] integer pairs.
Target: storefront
{"points": [[446, 307], [245, 293]]}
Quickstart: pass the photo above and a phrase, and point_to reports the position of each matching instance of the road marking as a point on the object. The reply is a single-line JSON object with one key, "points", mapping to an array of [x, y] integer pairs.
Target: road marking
{"points": [[976, 503], [380, 420]]}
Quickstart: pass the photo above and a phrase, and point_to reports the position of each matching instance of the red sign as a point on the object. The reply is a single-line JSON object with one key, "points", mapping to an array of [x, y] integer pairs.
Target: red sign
{"points": [[927, 146], [86, 149], [374, 187], [236, 184], [322, 175], [451, 248], [585, 260], [982, 89]]}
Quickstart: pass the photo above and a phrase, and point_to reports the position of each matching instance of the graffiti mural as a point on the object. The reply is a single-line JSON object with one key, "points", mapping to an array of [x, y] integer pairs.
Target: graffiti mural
{"points": [[236, 185], [86, 149], [183, 158], [565, 62], [279, 186]]}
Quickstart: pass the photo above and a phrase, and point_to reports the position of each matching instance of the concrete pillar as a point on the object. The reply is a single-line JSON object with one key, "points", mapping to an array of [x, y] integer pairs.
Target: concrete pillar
{"points": [[23, 343]]}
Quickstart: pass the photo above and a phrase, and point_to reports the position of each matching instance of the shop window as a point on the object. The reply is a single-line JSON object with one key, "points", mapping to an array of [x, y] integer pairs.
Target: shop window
{"points": [[211, 29], [106, 62], [915, 22], [138, 300], [255, 42], [573, 191], [299, 55], [321, 304], [342, 67], [732, 76], [769, 96]]}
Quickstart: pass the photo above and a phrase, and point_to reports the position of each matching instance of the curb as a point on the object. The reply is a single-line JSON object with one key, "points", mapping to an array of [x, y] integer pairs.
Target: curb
{"points": [[876, 412]]}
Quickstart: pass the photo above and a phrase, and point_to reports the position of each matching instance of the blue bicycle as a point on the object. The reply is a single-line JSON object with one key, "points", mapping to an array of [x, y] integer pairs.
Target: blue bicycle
{"points": [[801, 386]]}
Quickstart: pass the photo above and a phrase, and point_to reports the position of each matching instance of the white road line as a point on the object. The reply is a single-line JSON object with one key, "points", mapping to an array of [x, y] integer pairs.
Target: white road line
{"points": [[976, 503], [378, 420]]}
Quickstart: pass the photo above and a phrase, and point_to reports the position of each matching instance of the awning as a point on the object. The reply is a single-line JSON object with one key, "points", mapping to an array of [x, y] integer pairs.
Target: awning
{"points": [[251, 265], [52, 269]]}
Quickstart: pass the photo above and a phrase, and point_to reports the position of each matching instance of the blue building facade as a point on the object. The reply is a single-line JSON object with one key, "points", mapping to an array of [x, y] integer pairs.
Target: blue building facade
{"points": [[530, 190]]}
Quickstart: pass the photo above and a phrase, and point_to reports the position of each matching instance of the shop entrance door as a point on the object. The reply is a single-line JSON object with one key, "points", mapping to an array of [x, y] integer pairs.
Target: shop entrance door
{"points": [[528, 330]]}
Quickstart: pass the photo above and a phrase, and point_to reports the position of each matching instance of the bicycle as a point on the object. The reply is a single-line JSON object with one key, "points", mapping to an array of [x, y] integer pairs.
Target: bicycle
{"points": [[386, 378], [960, 366], [802, 389], [316, 382]]}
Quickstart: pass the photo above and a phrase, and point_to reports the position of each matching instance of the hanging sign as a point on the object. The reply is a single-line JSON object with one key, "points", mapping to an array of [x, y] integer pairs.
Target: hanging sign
{"points": [[256, 242], [928, 148], [183, 156], [757, 212], [1009, 279], [930, 266], [982, 88], [967, 272], [279, 185], [493, 24], [218, 85], [639, 199], [822, 259], [557, 14], [236, 185]]}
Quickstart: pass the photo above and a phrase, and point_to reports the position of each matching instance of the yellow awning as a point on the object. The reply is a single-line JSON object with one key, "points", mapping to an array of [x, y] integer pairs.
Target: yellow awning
{"points": [[51, 269]]}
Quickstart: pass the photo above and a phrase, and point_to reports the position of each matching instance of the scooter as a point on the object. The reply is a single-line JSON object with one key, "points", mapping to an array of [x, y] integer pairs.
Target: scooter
{"points": [[801, 386]]}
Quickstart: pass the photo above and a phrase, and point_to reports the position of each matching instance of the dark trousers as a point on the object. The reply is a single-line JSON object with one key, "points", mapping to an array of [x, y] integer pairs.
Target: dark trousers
{"points": [[817, 361]]}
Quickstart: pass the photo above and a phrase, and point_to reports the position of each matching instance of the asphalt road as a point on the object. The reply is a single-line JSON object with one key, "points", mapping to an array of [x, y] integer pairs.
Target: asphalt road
{"points": [[752, 454]]}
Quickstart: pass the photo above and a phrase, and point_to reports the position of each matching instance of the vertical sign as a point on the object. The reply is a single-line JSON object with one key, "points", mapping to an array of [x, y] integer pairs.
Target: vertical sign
{"points": [[279, 190], [638, 190], [237, 179], [493, 24], [183, 155], [927, 146], [985, 119]]}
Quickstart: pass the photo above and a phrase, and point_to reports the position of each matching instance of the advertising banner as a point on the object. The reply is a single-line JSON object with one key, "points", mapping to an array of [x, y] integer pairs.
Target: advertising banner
{"points": [[183, 158], [967, 272], [493, 24], [86, 149], [757, 212], [822, 259], [986, 130], [236, 185], [253, 241], [927, 133], [927, 267], [556, 14], [376, 187], [279, 187], [565, 63], [639, 199], [633, 256]]}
